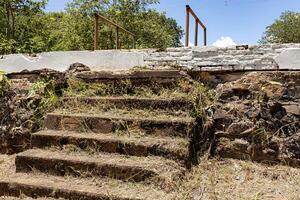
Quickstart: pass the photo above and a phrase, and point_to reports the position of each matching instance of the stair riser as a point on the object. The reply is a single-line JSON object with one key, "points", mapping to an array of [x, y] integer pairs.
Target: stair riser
{"points": [[15, 190], [61, 167], [123, 103], [109, 146], [108, 125]]}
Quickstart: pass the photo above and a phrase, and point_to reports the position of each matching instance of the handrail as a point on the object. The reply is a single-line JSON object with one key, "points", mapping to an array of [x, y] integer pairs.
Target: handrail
{"points": [[118, 28], [189, 11]]}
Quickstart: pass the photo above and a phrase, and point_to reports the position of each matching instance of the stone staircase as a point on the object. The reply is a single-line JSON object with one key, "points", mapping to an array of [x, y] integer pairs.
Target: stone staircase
{"points": [[131, 148]]}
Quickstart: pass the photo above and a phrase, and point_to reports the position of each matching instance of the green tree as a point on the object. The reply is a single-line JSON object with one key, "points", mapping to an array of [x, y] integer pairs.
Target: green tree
{"points": [[17, 24], [286, 29], [26, 28], [152, 29]]}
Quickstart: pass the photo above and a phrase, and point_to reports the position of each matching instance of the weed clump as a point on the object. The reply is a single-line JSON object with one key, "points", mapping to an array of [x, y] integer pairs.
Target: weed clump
{"points": [[41, 99], [22, 112], [4, 83]]}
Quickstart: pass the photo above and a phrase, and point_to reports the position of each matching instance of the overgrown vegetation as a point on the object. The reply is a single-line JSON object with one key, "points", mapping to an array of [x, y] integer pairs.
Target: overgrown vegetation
{"points": [[189, 90], [4, 83], [42, 99], [22, 113], [27, 28]]}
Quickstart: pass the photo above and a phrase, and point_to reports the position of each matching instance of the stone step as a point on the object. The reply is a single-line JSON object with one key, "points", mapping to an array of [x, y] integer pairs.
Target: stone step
{"points": [[171, 148], [131, 103], [39, 185], [83, 164], [107, 123], [141, 77]]}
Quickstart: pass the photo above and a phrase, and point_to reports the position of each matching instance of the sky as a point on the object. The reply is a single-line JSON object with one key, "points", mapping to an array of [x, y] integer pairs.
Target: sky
{"points": [[227, 21]]}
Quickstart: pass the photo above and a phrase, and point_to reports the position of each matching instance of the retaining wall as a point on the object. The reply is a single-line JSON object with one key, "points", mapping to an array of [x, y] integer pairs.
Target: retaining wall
{"points": [[242, 57]]}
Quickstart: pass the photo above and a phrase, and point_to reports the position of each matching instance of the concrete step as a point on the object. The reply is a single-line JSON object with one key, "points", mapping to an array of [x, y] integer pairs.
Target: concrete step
{"points": [[107, 123], [141, 77], [82, 164], [171, 148], [131, 103], [40, 185]]}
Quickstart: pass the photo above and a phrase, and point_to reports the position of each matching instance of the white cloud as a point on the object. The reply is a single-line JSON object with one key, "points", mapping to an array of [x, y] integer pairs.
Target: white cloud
{"points": [[224, 42], [191, 44]]}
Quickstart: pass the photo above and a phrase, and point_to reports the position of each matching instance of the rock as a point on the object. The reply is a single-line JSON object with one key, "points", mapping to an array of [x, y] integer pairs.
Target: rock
{"points": [[290, 150], [261, 111], [240, 92], [242, 47], [273, 89], [293, 109], [78, 67], [237, 148], [222, 120], [265, 152], [277, 110], [236, 129]]}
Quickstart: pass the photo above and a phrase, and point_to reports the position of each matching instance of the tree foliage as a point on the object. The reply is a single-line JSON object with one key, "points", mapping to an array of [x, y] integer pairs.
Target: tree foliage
{"points": [[286, 29], [25, 27], [18, 24]]}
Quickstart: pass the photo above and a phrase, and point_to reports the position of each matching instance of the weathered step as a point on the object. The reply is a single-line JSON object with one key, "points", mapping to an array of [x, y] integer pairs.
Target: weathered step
{"points": [[107, 123], [40, 185], [143, 77], [83, 164], [132, 102], [172, 148]]}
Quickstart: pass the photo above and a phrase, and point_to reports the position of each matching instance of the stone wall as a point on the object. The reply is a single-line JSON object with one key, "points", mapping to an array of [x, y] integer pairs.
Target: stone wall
{"points": [[243, 57], [257, 118]]}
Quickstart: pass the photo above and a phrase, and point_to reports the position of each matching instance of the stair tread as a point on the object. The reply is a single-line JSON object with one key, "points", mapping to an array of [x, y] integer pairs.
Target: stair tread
{"points": [[154, 98], [139, 74], [123, 116], [94, 187], [173, 143], [163, 167]]}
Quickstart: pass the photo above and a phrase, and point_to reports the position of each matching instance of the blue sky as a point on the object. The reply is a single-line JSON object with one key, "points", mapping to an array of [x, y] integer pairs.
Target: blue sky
{"points": [[242, 20]]}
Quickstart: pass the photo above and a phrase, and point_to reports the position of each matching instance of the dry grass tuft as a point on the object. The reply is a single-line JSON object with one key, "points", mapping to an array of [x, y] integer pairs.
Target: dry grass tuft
{"points": [[7, 165], [234, 179]]}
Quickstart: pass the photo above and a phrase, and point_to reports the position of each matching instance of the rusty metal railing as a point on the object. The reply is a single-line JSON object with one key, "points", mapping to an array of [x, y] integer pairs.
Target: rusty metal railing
{"points": [[118, 29], [189, 11]]}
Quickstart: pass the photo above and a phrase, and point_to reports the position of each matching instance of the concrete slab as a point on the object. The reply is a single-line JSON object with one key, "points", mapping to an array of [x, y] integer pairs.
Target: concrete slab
{"points": [[289, 59], [60, 61]]}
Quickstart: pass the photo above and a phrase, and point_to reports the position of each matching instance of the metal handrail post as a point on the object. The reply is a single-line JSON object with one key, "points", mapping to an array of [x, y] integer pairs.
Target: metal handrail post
{"points": [[189, 11], [205, 39], [196, 32], [96, 34], [187, 27], [133, 42], [117, 38], [118, 29]]}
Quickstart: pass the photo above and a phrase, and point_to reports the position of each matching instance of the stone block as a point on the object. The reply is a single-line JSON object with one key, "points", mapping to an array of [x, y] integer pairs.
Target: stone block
{"points": [[289, 59]]}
